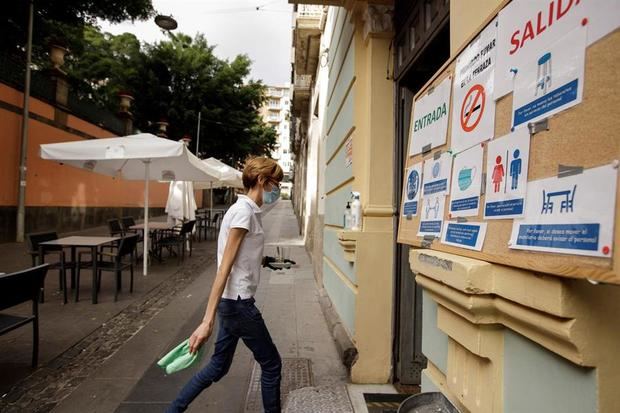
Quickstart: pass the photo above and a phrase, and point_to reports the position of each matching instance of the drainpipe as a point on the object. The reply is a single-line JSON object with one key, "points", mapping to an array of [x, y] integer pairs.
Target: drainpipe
{"points": [[21, 205]]}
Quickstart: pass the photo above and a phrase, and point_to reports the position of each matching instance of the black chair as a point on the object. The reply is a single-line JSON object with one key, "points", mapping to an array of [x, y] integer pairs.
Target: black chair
{"points": [[214, 224], [126, 248], [35, 250], [202, 222], [177, 238], [115, 227], [127, 223], [20, 287]]}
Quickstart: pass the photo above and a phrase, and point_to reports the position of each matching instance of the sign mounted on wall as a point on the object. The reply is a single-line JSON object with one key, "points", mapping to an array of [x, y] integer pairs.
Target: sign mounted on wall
{"points": [[466, 182], [431, 218], [527, 28], [413, 187], [468, 235], [507, 168], [552, 82], [429, 119], [348, 155], [570, 215], [437, 175], [473, 107]]}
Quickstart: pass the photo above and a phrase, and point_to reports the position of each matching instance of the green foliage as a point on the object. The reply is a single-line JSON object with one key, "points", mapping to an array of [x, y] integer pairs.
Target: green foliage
{"points": [[61, 21], [174, 80]]}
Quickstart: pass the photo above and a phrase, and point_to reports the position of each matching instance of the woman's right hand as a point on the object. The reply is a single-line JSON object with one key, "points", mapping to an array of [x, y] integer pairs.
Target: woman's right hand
{"points": [[199, 336]]}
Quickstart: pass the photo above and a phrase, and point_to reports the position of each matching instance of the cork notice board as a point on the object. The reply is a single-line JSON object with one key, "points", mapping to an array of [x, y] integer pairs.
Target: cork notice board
{"points": [[586, 135]]}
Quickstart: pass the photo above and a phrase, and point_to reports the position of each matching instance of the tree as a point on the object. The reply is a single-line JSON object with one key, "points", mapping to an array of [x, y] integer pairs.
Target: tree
{"points": [[174, 80], [61, 21]]}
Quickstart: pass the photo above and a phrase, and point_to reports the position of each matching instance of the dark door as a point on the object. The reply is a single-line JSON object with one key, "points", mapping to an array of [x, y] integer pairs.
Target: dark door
{"points": [[422, 47]]}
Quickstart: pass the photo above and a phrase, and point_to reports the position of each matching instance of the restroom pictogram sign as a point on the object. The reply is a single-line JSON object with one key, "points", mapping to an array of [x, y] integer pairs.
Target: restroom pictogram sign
{"points": [[472, 108]]}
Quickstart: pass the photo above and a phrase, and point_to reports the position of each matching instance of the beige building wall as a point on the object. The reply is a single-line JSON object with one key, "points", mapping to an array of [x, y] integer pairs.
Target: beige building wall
{"points": [[354, 152], [502, 339]]}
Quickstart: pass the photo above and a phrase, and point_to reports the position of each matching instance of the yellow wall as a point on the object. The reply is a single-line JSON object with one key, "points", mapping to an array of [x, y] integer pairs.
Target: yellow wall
{"points": [[466, 16]]}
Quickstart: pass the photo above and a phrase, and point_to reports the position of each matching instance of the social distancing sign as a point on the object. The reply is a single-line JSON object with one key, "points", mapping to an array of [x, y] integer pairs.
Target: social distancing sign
{"points": [[473, 107]]}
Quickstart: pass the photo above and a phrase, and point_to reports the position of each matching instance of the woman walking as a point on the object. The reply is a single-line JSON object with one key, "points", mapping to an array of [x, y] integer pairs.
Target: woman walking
{"points": [[239, 254]]}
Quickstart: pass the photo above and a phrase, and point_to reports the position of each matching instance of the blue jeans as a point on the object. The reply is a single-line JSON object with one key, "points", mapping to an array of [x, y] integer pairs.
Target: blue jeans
{"points": [[239, 319]]}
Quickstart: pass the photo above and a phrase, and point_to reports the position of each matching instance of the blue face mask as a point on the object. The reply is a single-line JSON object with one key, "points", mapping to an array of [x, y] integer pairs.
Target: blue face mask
{"points": [[269, 197]]}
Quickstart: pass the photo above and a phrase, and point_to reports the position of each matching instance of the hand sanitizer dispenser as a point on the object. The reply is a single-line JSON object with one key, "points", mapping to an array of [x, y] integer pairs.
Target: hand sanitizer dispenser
{"points": [[356, 212]]}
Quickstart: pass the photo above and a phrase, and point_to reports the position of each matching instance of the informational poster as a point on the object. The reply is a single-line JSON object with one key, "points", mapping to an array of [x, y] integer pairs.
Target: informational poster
{"points": [[431, 218], [413, 185], [466, 182], [437, 175], [473, 106], [507, 168], [552, 82], [527, 28], [570, 215], [348, 157], [469, 235], [429, 118]]}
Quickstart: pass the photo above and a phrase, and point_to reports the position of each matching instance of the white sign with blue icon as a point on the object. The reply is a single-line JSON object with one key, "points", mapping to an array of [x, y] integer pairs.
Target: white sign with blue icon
{"points": [[431, 216], [550, 82], [528, 27], [570, 215], [469, 235], [412, 190], [507, 167], [437, 174], [466, 182]]}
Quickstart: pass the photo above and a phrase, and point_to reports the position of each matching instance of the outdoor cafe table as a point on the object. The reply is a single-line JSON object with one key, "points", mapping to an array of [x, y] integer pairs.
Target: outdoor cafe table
{"points": [[80, 242]]}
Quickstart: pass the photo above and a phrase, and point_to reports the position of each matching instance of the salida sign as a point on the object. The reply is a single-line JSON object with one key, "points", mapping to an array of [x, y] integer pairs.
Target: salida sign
{"points": [[535, 26], [528, 27]]}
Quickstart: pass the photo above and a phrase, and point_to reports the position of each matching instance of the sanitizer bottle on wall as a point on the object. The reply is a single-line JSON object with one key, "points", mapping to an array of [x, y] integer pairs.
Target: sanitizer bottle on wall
{"points": [[356, 212], [348, 218]]}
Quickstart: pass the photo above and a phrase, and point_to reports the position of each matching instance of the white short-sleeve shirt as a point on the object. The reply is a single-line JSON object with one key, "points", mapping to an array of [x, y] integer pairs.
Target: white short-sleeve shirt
{"points": [[245, 272]]}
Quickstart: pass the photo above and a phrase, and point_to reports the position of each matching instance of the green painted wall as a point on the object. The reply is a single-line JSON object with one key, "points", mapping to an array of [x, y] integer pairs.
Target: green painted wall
{"points": [[537, 380], [434, 341], [342, 297], [333, 251]]}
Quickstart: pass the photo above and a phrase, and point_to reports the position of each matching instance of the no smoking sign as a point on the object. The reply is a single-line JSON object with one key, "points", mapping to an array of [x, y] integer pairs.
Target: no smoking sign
{"points": [[472, 108]]}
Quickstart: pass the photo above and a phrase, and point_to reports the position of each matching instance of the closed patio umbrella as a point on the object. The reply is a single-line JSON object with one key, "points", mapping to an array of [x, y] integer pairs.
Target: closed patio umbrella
{"points": [[135, 157], [181, 204]]}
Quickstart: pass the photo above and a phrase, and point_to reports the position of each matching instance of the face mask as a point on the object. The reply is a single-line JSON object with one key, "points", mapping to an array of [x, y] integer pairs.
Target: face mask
{"points": [[270, 197]]}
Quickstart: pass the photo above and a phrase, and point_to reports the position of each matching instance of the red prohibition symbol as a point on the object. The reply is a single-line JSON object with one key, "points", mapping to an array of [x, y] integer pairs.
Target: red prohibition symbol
{"points": [[472, 108]]}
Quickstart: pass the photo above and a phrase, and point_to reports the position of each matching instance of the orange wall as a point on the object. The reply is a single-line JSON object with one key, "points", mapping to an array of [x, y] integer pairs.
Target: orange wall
{"points": [[51, 184]]}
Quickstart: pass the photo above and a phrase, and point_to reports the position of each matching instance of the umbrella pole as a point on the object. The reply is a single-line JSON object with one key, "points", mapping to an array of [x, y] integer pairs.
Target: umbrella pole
{"points": [[211, 203], [146, 234]]}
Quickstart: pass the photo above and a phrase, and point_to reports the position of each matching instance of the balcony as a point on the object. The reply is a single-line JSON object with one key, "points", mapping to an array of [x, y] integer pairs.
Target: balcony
{"points": [[301, 94], [272, 92], [309, 24]]}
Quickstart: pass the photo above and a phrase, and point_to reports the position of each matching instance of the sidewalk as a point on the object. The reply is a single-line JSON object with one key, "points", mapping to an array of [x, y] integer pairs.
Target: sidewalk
{"points": [[77, 338], [129, 381]]}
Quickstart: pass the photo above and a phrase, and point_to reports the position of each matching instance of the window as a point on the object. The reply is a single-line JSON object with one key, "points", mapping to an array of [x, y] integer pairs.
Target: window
{"points": [[285, 151]]}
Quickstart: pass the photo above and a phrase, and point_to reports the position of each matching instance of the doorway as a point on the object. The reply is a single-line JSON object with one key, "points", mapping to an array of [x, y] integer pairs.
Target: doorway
{"points": [[422, 46]]}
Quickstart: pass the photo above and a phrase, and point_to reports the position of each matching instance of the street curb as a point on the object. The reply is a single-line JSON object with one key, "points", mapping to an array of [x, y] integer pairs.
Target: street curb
{"points": [[346, 348]]}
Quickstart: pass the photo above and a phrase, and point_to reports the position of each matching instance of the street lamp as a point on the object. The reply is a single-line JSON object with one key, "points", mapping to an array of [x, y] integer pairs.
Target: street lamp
{"points": [[166, 22], [21, 195]]}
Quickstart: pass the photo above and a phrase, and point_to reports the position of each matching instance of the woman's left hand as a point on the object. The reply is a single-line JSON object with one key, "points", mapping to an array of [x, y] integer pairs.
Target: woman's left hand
{"points": [[199, 336]]}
